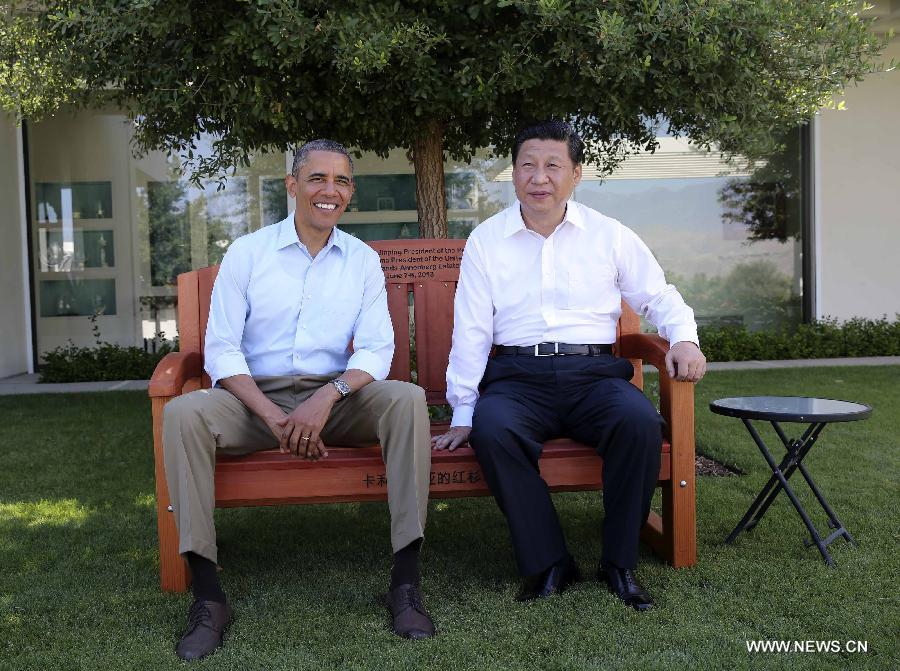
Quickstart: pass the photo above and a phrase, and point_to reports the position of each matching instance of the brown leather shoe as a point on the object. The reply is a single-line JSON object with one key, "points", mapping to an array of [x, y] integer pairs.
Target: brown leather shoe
{"points": [[410, 619], [207, 621]]}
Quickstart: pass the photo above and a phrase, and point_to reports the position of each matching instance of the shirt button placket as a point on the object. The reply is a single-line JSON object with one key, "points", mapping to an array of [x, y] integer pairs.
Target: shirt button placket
{"points": [[301, 316], [548, 281]]}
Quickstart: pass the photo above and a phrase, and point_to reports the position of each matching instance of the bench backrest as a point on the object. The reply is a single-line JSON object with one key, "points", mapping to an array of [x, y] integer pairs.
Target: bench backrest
{"points": [[421, 277]]}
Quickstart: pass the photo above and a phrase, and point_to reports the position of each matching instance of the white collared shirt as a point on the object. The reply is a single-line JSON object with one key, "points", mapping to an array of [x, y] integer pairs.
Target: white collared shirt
{"points": [[518, 288], [276, 310]]}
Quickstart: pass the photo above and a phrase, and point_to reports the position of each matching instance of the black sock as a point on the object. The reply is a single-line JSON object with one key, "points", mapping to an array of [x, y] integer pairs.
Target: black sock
{"points": [[405, 570], [204, 578]]}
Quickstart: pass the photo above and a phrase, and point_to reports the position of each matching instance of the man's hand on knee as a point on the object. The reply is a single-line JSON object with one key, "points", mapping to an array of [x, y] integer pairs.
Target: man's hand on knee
{"points": [[456, 436], [685, 362], [300, 429]]}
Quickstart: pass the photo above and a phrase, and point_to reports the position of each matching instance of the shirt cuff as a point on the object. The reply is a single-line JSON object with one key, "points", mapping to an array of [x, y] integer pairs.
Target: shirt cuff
{"points": [[370, 363], [227, 366], [680, 333], [462, 415]]}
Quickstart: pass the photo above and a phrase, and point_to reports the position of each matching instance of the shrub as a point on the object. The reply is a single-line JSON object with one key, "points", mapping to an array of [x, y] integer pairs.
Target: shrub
{"points": [[70, 363], [104, 361], [822, 339], [819, 340]]}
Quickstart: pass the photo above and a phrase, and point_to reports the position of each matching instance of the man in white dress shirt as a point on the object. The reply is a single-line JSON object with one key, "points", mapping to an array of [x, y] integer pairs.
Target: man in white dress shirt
{"points": [[543, 281], [287, 301]]}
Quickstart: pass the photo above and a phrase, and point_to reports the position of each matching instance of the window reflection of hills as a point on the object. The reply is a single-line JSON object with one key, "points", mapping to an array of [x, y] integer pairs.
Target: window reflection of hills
{"points": [[713, 261]]}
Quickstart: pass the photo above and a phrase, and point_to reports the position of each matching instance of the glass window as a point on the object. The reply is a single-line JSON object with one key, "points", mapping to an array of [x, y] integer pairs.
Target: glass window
{"points": [[729, 240], [182, 226], [110, 233], [81, 229]]}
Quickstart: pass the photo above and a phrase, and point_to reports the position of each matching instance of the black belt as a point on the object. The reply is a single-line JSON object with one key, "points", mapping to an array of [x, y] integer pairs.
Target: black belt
{"points": [[554, 349]]}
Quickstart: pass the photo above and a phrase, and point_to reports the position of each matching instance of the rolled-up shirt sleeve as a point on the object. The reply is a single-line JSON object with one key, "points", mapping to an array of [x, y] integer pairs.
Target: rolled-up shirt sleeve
{"points": [[644, 288], [228, 311], [373, 334], [473, 333]]}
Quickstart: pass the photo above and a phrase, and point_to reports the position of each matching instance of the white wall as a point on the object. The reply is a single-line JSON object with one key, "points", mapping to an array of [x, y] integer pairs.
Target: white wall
{"points": [[14, 333], [857, 160]]}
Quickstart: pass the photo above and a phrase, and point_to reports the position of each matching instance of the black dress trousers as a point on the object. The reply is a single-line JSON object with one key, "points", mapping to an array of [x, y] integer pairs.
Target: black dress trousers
{"points": [[526, 400]]}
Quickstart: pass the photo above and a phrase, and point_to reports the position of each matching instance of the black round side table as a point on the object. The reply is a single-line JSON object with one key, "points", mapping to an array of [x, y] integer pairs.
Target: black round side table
{"points": [[817, 413]]}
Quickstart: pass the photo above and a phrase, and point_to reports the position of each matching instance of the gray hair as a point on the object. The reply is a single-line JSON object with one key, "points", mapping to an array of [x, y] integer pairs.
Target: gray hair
{"points": [[301, 156]]}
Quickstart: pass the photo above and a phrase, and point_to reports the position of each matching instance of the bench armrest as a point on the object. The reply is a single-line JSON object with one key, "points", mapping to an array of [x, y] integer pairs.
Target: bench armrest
{"points": [[173, 371], [676, 399], [647, 346]]}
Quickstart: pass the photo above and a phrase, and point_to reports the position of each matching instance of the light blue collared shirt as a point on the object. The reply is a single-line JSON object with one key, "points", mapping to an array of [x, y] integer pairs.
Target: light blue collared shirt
{"points": [[276, 310]]}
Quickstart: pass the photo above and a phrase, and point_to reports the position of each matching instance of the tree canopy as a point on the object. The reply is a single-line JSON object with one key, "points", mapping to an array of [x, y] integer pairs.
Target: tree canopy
{"points": [[436, 77]]}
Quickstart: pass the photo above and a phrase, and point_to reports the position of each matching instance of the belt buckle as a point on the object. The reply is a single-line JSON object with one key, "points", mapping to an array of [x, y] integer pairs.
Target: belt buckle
{"points": [[555, 351]]}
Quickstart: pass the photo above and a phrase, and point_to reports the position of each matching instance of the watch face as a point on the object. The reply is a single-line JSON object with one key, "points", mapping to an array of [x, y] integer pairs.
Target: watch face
{"points": [[342, 387]]}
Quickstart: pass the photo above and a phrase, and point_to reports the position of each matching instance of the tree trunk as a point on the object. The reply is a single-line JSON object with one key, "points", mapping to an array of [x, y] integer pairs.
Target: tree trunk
{"points": [[428, 159]]}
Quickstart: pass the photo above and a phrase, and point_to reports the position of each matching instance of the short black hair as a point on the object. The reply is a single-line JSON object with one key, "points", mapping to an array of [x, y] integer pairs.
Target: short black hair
{"points": [[551, 129], [301, 156]]}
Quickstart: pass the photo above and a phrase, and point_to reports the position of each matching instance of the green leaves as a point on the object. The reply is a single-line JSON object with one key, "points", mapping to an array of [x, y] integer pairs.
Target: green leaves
{"points": [[374, 74]]}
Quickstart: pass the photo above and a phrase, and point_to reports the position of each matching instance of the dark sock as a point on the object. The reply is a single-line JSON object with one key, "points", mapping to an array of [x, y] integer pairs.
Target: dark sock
{"points": [[405, 570], [204, 578]]}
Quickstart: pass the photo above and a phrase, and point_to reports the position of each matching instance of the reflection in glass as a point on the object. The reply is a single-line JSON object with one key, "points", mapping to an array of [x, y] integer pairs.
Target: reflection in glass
{"points": [[226, 213], [461, 191], [78, 200], [460, 229], [766, 205], [89, 249], [170, 231], [177, 211], [273, 196], [77, 297], [385, 231], [730, 244], [375, 193]]}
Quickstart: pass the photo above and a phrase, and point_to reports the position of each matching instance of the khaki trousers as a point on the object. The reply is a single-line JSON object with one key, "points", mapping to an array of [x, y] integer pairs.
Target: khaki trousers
{"points": [[201, 424]]}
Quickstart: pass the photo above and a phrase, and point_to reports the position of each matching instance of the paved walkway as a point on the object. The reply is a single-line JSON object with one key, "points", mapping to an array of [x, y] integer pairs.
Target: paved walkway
{"points": [[28, 384], [802, 363]]}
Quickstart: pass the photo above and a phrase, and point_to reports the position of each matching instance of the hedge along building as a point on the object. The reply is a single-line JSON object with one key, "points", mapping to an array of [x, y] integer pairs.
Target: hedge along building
{"points": [[90, 229]]}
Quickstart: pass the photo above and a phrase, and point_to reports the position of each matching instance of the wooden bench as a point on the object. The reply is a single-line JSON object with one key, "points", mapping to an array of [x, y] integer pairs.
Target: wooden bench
{"points": [[421, 281]]}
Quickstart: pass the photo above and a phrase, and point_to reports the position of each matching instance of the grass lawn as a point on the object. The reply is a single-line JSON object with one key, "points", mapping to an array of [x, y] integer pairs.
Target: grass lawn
{"points": [[78, 565]]}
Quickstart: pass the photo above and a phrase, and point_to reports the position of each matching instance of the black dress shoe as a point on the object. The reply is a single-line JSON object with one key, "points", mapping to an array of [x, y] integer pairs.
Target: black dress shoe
{"points": [[207, 621], [547, 583], [622, 583], [409, 618]]}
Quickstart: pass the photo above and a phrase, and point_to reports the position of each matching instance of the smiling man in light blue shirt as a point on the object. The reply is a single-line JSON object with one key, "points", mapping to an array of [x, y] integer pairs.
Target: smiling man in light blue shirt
{"points": [[288, 301]]}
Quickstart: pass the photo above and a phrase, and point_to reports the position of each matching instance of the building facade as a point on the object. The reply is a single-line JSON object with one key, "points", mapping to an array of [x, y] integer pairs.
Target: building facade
{"points": [[94, 237]]}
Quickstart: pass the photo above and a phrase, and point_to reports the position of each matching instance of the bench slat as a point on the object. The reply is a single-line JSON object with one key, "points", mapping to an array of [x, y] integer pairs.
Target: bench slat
{"points": [[398, 306], [433, 306], [270, 478]]}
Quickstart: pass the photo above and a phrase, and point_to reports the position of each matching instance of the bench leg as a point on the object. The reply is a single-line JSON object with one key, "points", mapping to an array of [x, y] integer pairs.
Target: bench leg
{"points": [[680, 518], [174, 574], [673, 535]]}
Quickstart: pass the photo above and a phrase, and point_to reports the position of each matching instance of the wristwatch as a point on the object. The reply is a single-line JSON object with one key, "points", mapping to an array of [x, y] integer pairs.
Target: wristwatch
{"points": [[342, 387]]}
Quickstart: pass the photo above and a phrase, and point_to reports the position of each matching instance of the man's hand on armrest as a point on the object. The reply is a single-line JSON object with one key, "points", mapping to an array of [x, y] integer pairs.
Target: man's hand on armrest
{"points": [[685, 362], [454, 437]]}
